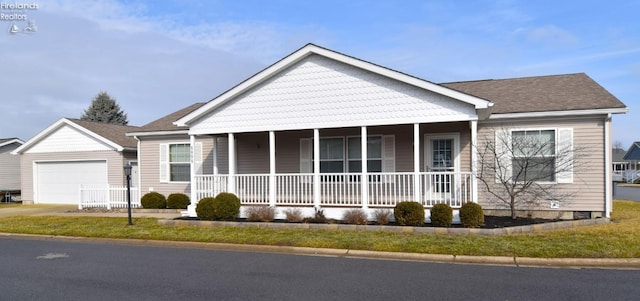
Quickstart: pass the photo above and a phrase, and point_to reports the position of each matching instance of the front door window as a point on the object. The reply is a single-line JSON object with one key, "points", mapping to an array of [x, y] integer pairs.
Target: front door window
{"points": [[441, 161]]}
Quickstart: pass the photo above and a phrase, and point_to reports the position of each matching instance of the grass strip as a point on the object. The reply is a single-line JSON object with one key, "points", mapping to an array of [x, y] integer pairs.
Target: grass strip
{"points": [[620, 239]]}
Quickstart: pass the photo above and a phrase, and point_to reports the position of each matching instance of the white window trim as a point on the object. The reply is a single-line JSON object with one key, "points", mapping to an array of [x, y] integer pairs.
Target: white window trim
{"points": [[166, 158], [556, 131]]}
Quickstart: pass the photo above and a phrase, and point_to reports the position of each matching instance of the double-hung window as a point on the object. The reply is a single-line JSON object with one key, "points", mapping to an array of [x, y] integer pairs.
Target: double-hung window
{"points": [[374, 154], [344, 154], [179, 162], [534, 155], [175, 161]]}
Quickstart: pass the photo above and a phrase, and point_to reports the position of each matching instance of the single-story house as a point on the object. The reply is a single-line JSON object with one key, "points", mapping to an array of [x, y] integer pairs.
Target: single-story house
{"points": [[9, 166], [320, 129], [70, 153]]}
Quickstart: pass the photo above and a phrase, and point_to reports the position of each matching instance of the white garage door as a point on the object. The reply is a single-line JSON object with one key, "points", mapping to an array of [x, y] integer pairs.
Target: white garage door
{"points": [[59, 182]]}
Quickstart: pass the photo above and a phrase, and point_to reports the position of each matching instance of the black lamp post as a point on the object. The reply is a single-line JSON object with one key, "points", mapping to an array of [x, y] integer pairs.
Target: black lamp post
{"points": [[127, 172]]}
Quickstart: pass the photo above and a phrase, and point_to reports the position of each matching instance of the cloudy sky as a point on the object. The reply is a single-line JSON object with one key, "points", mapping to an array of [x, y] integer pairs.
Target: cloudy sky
{"points": [[155, 57]]}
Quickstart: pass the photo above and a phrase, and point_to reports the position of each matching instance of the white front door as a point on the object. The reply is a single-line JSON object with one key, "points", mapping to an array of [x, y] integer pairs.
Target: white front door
{"points": [[441, 160]]}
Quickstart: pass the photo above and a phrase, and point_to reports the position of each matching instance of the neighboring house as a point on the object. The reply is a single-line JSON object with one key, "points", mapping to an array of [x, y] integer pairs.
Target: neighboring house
{"points": [[633, 157], [620, 166], [9, 166], [71, 153], [323, 130]]}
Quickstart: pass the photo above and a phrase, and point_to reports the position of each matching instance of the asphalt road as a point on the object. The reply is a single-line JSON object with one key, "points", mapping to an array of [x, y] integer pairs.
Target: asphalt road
{"points": [[621, 192], [36, 269]]}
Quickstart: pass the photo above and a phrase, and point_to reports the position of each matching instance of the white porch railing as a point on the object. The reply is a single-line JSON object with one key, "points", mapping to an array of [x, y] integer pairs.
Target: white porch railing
{"points": [[342, 189], [107, 196]]}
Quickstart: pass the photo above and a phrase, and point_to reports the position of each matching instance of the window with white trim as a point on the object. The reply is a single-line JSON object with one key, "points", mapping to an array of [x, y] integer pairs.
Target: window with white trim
{"points": [[179, 162], [374, 154], [175, 161], [542, 155], [344, 154]]}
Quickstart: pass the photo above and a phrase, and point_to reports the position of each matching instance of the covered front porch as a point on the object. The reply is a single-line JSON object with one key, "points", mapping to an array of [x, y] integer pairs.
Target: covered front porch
{"points": [[357, 167]]}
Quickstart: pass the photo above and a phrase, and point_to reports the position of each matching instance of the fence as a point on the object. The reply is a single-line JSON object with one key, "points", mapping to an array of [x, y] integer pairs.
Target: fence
{"points": [[107, 196]]}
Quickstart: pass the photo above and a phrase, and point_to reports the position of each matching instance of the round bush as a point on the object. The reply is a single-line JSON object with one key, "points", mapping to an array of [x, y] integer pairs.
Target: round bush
{"points": [[471, 215], [226, 206], [204, 209], [409, 214], [178, 201], [441, 215], [153, 200]]}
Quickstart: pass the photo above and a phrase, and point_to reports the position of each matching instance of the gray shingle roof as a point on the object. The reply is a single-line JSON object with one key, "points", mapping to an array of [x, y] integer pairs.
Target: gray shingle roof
{"points": [[540, 93], [113, 132]]}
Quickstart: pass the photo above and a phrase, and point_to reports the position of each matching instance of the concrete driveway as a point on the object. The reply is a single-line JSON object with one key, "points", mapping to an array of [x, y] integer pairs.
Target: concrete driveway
{"points": [[36, 210], [72, 210]]}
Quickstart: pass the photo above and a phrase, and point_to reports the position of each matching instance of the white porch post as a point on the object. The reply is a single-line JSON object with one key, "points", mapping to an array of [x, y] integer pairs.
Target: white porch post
{"points": [[416, 164], [316, 168], [191, 209], [215, 155], [231, 183], [474, 160], [272, 168], [364, 181], [192, 168]]}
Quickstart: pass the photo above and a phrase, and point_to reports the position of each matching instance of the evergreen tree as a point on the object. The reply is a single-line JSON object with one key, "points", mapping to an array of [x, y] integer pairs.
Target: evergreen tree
{"points": [[103, 108]]}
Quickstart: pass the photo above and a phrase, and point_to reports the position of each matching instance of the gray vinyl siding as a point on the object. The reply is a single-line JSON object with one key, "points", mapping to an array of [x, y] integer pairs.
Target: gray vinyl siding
{"points": [[588, 187], [9, 168], [114, 159], [149, 163]]}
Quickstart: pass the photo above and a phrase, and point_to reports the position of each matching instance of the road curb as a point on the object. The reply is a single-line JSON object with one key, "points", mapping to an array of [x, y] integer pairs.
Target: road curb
{"points": [[605, 263]]}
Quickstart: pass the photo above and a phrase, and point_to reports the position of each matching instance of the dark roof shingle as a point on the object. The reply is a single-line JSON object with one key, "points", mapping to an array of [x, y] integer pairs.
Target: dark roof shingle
{"points": [[540, 93], [166, 123], [113, 132]]}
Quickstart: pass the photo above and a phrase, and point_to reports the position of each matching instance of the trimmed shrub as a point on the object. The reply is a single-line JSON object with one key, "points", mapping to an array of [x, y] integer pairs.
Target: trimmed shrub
{"points": [[441, 215], [260, 213], [355, 216], [471, 215], [293, 215], [226, 206], [178, 201], [409, 214], [153, 200], [382, 216], [204, 209]]}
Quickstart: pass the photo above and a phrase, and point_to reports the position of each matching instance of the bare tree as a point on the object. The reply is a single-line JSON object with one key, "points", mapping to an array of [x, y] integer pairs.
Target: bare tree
{"points": [[617, 145], [521, 168]]}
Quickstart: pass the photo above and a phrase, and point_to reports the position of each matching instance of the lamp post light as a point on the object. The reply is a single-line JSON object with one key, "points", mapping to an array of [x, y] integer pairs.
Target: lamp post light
{"points": [[127, 172]]}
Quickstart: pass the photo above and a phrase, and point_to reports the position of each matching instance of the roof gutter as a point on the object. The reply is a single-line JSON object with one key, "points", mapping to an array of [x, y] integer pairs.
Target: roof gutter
{"points": [[157, 133], [559, 113]]}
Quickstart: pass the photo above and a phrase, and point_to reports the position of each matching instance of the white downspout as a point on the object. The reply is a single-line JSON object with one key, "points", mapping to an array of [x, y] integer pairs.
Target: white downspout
{"points": [[607, 166]]}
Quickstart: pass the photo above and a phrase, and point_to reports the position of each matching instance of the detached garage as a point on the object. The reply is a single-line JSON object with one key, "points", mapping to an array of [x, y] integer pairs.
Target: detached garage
{"points": [[71, 153]]}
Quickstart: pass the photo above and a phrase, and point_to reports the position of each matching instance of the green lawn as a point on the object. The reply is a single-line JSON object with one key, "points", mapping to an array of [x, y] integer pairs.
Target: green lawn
{"points": [[621, 239]]}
